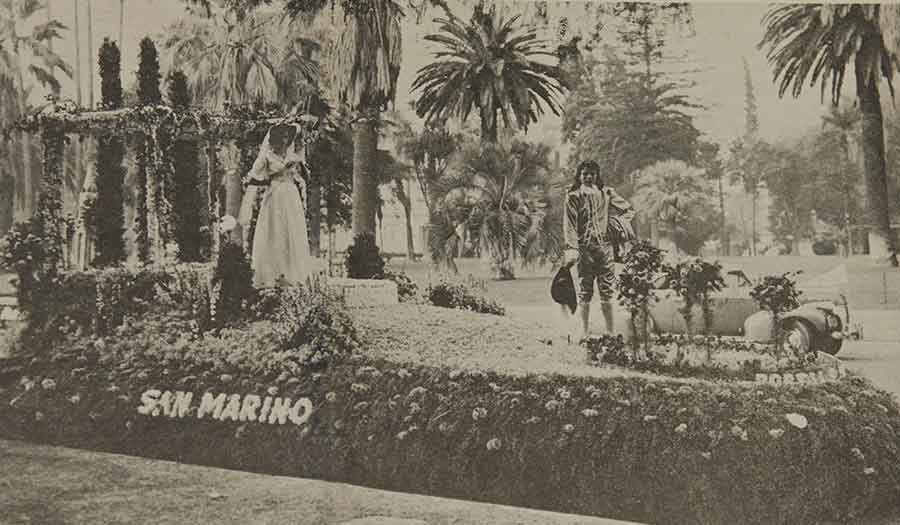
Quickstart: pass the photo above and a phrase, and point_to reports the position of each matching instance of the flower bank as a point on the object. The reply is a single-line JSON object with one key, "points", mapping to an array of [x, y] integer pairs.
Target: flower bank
{"points": [[297, 389]]}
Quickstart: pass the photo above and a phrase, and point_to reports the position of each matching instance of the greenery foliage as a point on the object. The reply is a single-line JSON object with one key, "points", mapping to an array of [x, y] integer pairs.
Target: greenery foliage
{"points": [[451, 294], [407, 289], [488, 64], [698, 452], [312, 326], [232, 285], [693, 280], [110, 212], [679, 198], [187, 198], [637, 284], [363, 259]]}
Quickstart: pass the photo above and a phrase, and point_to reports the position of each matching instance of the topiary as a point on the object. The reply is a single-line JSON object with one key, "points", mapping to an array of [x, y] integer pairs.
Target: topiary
{"points": [[233, 289], [363, 260]]}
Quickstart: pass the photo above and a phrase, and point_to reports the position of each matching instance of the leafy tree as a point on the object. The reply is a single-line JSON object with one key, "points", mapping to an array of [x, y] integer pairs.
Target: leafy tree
{"points": [[839, 174], [110, 212], [429, 151], [626, 122], [496, 192], [26, 59], [231, 60], [809, 43], [793, 182], [678, 196], [488, 64], [708, 159]]}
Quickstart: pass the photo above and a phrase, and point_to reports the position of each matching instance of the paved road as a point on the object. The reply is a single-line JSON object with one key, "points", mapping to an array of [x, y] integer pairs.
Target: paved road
{"points": [[54, 485], [879, 361]]}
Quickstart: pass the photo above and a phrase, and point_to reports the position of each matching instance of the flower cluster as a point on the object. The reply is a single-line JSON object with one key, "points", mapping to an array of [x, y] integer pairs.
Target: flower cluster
{"points": [[777, 293], [643, 266], [693, 280]]}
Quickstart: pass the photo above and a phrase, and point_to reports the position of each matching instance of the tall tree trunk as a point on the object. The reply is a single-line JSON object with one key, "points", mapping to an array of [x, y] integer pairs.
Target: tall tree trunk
{"points": [[77, 57], [27, 202], [488, 127], [314, 213], [90, 29], [726, 242], [122, 27], [873, 153], [365, 145], [404, 198], [753, 227]]}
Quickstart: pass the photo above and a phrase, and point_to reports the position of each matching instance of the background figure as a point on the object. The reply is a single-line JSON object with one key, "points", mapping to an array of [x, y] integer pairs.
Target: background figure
{"points": [[588, 208], [280, 241]]}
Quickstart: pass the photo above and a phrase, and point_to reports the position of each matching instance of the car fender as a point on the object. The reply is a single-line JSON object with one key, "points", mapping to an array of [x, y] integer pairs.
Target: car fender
{"points": [[814, 317]]}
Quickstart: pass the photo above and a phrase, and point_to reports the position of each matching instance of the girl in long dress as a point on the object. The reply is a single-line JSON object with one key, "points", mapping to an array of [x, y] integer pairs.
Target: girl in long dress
{"points": [[280, 241]]}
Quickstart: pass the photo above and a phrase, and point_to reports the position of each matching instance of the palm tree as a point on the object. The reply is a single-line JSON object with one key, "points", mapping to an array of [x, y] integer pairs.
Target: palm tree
{"points": [[239, 61], [28, 56], [364, 64], [817, 43], [489, 64], [678, 196], [497, 193]]}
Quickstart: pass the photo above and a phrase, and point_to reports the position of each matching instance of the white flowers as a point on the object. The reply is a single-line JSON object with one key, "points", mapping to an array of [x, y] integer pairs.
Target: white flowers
{"points": [[681, 429], [48, 384], [776, 432], [479, 413], [494, 444], [589, 412], [798, 420]]}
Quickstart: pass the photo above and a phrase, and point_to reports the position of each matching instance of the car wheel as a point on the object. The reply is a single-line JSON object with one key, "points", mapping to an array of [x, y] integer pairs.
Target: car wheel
{"points": [[832, 347], [797, 336]]}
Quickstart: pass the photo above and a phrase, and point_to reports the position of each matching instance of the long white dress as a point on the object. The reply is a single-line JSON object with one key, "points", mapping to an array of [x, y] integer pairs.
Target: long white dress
{"points": [[280, 241]]}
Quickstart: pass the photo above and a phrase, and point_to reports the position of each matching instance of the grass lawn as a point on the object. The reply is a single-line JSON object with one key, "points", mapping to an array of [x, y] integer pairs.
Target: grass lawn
{"points": [[872, 286]]}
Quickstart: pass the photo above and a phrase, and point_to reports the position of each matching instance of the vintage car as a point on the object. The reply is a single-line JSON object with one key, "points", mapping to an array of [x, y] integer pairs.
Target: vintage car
{"points": [[821, 323]]}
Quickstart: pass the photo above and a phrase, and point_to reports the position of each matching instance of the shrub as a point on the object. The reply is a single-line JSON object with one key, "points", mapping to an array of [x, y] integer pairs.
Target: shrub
{"points": [[449, 294], [100, 300], [312, 324], [777, 294], [407, 289], [232, 285], [628, 448], [643, 265], [363, 260], [24, 252], [694, 280]]}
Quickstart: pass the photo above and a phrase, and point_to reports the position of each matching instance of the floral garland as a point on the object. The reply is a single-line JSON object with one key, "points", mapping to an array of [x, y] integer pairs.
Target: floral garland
{"points": [[159, 124], [50, 200]]}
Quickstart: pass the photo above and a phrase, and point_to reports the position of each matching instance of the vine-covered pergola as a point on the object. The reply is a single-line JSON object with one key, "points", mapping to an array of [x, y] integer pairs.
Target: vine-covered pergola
{"points": [[60, 120]]}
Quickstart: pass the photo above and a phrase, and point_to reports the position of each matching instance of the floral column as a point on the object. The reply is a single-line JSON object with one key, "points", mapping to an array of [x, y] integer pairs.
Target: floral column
{"points": [[50, 199], [212, 197]]}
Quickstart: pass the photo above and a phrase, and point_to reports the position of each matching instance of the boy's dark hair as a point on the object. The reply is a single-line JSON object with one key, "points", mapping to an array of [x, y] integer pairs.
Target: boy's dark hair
{"points": [[585, 165]]}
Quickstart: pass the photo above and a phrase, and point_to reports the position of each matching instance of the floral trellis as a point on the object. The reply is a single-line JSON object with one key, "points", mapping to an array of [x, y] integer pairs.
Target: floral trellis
{"points": [[247, 128]]}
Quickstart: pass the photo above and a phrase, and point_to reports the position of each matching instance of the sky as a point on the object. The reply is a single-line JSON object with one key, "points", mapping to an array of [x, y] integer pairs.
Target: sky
{"points": [[724, 32]]}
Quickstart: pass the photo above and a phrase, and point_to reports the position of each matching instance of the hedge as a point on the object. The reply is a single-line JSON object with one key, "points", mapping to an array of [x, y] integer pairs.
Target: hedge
{"points": [[628, 448]]}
